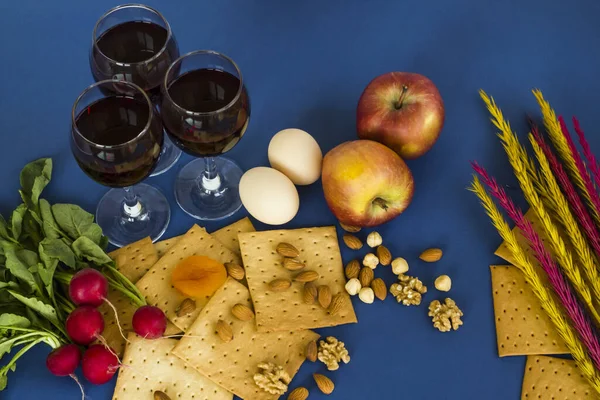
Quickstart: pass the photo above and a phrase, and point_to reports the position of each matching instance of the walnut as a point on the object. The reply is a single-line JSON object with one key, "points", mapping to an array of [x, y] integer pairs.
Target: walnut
{"points": [[272, 378], [408, 290], [331, 352], [445, 316]]}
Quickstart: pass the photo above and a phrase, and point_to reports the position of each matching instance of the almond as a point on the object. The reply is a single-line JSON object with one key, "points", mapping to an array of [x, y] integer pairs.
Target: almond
{"points": [[224, 331], [384, 255], [292, 264], [300, 393], [186, 307], [311, 351], [337, 303], [235, 271], [280, 285], [352, 241], [324, 296], [306, 276], [379, 288], [352, 269], [350, 228], [431, 255], [242, 312], [287, 250], [366, 276], [158, 395], [324, 384], [309, 293]]}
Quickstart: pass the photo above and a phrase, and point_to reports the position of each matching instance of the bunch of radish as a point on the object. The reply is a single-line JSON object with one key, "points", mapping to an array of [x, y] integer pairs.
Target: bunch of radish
{"points": [[88, 290]]}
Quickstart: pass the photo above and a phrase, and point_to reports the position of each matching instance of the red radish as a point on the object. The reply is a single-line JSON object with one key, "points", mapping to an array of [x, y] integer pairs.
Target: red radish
{"points": [[64, 360], [99, 364], [149, 322], [88, 287], [84, 325]]}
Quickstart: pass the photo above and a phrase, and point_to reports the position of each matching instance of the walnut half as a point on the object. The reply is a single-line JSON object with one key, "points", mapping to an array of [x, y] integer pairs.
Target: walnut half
{"points": [[445, 316], [331, 352], [408, 290], [272, 378]]}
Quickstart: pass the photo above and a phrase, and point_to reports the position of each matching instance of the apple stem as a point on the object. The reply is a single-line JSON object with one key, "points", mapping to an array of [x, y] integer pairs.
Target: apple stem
{"points": [[379, 202], [398, 104]]}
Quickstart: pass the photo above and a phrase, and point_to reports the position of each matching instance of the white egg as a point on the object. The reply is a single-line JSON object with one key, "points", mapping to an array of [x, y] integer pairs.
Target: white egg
{"points": [[297, 154], [269, 196]]}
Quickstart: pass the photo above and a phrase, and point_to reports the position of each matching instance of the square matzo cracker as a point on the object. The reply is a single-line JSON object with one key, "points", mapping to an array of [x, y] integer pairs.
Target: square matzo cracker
{"points": [[285, 311], [233, 365], [522, 326], [135, 259], [554, 378], [227, 235], [156, 284], [150, 366]]}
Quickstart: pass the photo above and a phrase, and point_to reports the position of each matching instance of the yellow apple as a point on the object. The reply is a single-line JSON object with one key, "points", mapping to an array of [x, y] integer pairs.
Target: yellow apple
{"points": [[366, 183]]}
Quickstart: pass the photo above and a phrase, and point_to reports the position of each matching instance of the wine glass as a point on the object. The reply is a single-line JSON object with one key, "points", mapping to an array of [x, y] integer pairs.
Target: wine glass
{"points": [[134, 42], [205, 110], [116, 138]]}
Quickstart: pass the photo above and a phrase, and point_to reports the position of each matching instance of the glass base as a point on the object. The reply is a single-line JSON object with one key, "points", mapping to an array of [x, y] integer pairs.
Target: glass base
{"points": [[168, 157], [152, 219], [204, 204]]}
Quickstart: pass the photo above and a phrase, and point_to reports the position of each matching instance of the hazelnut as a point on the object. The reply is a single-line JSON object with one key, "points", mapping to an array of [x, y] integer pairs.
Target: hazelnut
{"points": [[371, 261], [399, 266], [374, 239], [443, 283], [366, 295], [353, 286]]}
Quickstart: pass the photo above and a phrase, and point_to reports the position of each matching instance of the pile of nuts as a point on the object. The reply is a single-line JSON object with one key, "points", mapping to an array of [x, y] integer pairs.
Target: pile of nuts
{"points": [[408, 291], [311, 292]]}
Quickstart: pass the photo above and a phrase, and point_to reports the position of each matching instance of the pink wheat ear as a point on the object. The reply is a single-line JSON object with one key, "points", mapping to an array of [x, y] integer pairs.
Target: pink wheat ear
{"points": [[557, 280], [581, 167], [579, 208], [592, 162]]}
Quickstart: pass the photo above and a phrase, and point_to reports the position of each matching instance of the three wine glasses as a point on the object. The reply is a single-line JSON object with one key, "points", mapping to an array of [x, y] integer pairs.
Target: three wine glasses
{"points": [[143, 89]]}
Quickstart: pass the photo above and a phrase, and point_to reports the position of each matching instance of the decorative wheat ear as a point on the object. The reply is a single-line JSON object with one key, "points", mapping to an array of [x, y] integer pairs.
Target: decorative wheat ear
{"points": [[566, 154], [554, 311], [542, 205]]}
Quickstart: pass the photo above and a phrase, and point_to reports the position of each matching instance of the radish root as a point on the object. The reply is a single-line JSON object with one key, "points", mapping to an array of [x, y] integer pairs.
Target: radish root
{"points": [[105, 344], [117, 319], [74, 377]]}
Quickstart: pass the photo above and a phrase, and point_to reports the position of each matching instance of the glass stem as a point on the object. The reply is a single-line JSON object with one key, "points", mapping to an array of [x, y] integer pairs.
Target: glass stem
{"points": [[131, 206], [211, 180]]}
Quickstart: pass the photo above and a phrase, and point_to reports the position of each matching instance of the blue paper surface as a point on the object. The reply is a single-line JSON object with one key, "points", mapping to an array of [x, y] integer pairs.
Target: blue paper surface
{"points": [[305, 64]]}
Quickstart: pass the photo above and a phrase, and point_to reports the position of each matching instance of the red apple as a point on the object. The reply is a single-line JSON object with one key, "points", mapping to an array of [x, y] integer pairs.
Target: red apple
{"points": [[402, 110], [366, 183]]}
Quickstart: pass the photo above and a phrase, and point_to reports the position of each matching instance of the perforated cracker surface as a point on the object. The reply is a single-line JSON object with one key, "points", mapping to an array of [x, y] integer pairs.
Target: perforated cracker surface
{"points": [[522, 326], [554, 378], [135, 259], [233, 365], [285, 311], [227, 235], [151, 367], [156, 284], [503, 251]]}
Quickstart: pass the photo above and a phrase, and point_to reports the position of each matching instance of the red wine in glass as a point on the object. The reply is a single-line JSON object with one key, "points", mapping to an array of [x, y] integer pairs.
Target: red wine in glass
{"points": [[106, 126], [116, 139], [134, 43], [205, 111], [206, 91]]}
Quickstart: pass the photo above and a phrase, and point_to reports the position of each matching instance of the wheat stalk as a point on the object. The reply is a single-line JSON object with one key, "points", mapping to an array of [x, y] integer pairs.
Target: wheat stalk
{"points": [[520, 161], [549, 304], [580, 244], [555, 132]]}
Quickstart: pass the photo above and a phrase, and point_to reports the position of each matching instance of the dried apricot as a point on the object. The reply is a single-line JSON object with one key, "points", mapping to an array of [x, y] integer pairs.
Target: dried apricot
{"points": [[198, 276]]}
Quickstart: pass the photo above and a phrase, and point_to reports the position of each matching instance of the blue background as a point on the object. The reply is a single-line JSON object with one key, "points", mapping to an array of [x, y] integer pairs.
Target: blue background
{"points": [[305, 64]]}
